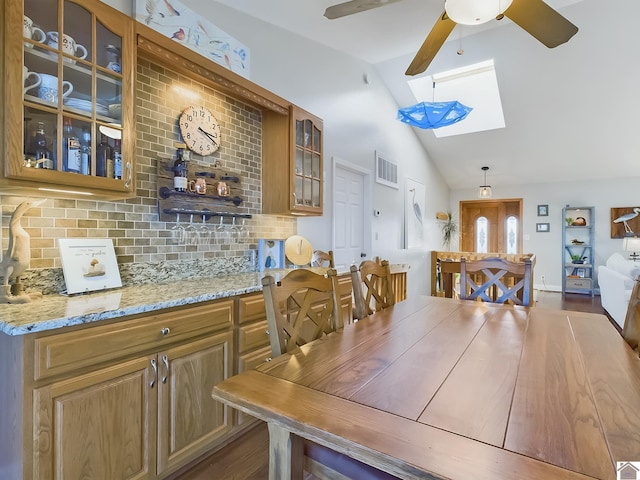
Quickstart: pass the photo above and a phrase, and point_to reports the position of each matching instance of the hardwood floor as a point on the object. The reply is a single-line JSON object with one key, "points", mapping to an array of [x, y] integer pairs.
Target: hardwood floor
{"points": [[247, 458]]}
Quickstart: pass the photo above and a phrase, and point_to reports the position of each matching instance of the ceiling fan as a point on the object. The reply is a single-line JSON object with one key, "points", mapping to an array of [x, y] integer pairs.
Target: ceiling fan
{"points": [[534, 16]]}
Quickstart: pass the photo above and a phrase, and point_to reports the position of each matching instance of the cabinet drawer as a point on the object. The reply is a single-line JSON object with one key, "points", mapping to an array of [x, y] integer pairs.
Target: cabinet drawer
{"points": [[251, 308], [253, 336], [251, 360], [65, 352], [578, 283]]}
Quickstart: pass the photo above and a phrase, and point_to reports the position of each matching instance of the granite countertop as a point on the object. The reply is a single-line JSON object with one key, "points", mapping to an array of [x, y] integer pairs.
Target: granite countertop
{"points": [[57, 311]]}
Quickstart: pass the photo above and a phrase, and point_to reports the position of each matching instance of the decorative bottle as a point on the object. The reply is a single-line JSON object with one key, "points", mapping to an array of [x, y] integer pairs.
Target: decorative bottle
{"points": [[85, 152], [103, 156], [117, 159], [180, 172], [43, 154], [71, 155]]}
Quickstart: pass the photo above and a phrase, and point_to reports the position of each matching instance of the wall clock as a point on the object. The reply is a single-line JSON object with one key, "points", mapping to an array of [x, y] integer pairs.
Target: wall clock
{"points": [[200, 130]]}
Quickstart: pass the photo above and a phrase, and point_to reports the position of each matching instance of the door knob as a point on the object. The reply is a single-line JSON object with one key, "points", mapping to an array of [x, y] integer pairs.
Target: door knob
{"points": [[362, 254]]}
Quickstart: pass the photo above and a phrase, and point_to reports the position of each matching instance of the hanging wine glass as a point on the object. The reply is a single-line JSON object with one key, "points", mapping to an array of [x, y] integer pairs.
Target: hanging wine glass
{"points": [[191, 233], [178, 232], [204, 233]]}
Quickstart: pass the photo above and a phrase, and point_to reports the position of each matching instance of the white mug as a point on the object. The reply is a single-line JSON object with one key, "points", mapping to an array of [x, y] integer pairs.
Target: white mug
{"points": [[69, 46], [26, 75], [32, 33], [48, 89]]}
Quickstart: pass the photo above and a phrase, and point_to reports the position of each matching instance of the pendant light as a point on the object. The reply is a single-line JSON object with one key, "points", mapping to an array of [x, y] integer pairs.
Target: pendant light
{"points": [[485, 190]]}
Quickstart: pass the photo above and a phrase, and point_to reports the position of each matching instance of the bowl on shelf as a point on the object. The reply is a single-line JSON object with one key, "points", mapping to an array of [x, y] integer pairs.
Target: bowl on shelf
{"points": [[115, 110]]}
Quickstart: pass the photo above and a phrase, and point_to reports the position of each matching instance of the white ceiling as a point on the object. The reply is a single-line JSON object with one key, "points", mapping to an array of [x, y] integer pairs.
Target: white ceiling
{"points": [[569, 111]]}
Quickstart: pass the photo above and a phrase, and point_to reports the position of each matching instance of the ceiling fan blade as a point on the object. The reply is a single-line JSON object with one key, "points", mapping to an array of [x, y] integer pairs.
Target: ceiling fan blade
{"points": [[436, 38], [541, 21], [354, 6]]}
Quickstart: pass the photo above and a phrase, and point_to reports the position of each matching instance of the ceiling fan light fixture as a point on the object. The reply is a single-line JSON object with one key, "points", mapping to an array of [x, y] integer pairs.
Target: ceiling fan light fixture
{"points": [[475, 12]]}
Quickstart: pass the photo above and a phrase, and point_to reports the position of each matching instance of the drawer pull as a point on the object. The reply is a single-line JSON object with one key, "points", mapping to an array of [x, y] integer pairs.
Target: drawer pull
{"points": [[267, 332], [154, 365], [268, 359], [165, 360], [165, 331]]}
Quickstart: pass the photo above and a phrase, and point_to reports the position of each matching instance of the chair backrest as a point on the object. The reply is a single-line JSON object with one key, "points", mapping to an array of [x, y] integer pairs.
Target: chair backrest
{"points": [[378, 287], [300, 308], [631, 328], [496, 280], [322, 259]]}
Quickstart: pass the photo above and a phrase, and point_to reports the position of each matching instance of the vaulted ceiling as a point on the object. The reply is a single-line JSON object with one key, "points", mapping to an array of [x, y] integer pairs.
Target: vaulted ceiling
{"points": [[570, 112]]}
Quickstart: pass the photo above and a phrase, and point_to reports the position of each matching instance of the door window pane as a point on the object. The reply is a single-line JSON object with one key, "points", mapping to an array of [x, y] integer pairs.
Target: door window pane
{"points": [[482, 234], [511, 233]]}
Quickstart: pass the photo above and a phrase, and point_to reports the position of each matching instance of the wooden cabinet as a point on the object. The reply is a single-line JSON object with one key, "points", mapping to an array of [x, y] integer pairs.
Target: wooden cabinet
{"points": [[131, 400], [69, 81], [292, 144]]}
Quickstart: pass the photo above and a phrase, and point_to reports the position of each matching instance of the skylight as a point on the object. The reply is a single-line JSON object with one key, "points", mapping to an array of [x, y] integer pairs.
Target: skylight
{"points": [[475, 86]]}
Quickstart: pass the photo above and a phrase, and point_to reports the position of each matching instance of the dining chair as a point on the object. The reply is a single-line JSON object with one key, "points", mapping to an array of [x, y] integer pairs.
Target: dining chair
{"points": [[631, 327], [496, 280], [322, 259], [378, 288], [295, 314]]}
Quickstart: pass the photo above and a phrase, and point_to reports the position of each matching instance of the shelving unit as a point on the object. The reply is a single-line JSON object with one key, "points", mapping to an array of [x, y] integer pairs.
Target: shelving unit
{"points": [[578, 233]]}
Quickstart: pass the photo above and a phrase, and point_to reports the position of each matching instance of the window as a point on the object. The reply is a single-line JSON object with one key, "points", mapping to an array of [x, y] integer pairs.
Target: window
{"points": [[482, 234], [511, 232], [475, 86]]}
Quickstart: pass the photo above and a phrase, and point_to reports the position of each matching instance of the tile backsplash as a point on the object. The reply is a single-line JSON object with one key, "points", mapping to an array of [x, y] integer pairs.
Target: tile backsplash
{"points": [[144, 245]]}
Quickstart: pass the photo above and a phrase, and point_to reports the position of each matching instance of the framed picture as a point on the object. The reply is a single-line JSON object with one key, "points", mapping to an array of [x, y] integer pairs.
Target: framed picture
{"points": [[270, 254], [580, 272], [543, 210], [542, 227], [88, 264]]}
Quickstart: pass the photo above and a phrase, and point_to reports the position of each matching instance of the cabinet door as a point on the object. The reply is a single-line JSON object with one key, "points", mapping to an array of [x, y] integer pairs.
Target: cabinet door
{"points": [[73, 87], [99, 426], [189, 420], [307, 162]]}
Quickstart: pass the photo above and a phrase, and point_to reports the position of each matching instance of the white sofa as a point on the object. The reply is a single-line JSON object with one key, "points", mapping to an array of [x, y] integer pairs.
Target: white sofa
{"points": [[615, 279]]}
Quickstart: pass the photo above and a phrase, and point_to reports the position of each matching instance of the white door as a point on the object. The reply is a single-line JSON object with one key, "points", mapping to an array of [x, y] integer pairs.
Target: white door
{"points": [[351, 238]]}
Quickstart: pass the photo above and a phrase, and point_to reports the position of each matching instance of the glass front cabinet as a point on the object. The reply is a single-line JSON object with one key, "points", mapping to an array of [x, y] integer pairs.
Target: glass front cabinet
{"points": [[292, 143], [69, 78]]}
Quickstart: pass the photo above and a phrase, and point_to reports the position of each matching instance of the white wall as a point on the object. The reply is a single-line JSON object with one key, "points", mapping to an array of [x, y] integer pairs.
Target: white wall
{"points": [[603, 195], [359, 118]]}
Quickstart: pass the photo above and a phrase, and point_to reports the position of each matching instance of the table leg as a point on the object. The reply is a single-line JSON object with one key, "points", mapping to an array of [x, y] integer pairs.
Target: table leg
{"points": [[286, 454]]}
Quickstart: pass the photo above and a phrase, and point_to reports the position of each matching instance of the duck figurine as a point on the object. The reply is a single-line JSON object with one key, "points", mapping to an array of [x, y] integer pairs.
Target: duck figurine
{"points": [[15, 260]]}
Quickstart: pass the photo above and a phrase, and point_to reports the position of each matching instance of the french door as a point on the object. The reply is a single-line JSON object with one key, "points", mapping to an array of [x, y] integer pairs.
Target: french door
{"points": [[491, 226]]}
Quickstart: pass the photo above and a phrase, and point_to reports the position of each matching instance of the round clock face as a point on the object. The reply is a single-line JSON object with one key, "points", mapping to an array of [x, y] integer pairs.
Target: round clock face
{"points": [[200, 130]]}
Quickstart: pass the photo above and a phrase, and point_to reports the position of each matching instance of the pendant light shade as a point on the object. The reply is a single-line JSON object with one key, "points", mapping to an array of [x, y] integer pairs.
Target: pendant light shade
{"points": [[484, 191], [475, 12]]}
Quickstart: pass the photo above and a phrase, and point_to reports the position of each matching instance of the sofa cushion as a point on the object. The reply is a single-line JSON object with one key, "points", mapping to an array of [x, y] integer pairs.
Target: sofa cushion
{"points": [[623, 266]]}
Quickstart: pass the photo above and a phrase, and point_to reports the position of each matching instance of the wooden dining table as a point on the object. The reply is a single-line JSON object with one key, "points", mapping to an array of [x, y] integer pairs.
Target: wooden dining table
{"points": [[437, 388]]}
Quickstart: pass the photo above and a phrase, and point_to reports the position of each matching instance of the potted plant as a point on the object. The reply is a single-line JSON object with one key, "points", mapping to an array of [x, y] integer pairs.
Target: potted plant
{"points": [[449, 230], [578, 259]]}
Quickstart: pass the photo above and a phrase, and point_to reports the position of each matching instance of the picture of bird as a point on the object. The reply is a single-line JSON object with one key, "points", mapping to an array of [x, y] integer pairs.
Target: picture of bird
{"points": [[416, 206], [625, 218], [179, 35], [159, 8]]}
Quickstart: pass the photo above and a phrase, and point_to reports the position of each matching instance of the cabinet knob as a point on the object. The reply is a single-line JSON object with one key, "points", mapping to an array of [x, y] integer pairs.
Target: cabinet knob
{"points": [[165, 331]]}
